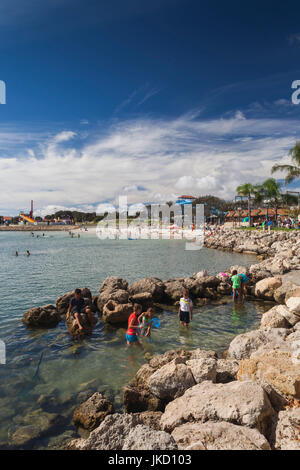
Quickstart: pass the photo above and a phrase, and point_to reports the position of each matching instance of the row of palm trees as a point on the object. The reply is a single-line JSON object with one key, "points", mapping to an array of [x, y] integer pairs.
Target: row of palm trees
{"points": [[271, 190]]}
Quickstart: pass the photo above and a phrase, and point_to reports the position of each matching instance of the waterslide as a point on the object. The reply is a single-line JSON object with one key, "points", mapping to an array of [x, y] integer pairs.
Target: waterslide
{"points": [[25, 217]]}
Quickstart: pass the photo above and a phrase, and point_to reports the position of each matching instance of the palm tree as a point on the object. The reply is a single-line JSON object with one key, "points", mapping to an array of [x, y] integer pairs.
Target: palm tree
{"points": [[293, 171], [246, 190], [270, 190]]}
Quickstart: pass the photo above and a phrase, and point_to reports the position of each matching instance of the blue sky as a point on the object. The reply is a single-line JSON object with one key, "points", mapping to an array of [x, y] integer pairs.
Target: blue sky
{"points": [[149, 99]]}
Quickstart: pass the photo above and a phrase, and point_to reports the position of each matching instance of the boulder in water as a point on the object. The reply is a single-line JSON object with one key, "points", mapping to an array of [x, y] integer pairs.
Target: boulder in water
{"points": [[92, 412], [42, 317]]}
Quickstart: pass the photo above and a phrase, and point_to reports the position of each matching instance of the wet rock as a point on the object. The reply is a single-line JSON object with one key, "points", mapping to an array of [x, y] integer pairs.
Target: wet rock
{"points": [[115, 313], [287, 430], [242, 403], [42, 317], [73, 327], [138, 400], [120, 296], [145, 299], [151, 285], [35, 425], [113, 283], [173, 289], [92, 412], [218, 436], [144, 438]]}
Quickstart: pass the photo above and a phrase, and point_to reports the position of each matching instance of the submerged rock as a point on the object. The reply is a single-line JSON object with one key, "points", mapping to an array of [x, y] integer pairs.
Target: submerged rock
{"points": [[92, 412], [42, 317], [35, 425]]}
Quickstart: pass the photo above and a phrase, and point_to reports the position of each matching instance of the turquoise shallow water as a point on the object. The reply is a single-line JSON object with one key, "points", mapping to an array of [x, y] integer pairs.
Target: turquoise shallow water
{"points": [[58, 264]]}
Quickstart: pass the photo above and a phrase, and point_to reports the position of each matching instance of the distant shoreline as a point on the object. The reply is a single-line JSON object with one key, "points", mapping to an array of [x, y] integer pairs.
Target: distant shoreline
{"points": [[38, 228]]}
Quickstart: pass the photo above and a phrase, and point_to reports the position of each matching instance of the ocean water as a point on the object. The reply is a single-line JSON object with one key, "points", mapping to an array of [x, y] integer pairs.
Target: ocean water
{"points": [[46, 369]]}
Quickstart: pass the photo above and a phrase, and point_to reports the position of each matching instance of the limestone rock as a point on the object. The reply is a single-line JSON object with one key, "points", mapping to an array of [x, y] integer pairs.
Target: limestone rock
{"points": [[62, 303], [226, 370], [113, 283], [42, 317], [274, 367], [144, 438], [152, 285], [114, 312], [90, 413], [265, 288], [293, 304], [274, 318], [218, 436], [113, 432], [203, 369], [171, 380], [242, 346], [280, 292], [288, 430], [242, 403], [120, 296], [73, 328]]}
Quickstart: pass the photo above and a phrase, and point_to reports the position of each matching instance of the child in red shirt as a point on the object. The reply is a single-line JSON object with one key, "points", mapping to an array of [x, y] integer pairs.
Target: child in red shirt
{"points": [[131, 334]]}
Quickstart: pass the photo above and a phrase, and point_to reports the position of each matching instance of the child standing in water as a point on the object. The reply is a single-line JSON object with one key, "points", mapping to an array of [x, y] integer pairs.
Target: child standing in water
{"points": [[236, 285], [185, 312], [145, 318], [132, 331]]}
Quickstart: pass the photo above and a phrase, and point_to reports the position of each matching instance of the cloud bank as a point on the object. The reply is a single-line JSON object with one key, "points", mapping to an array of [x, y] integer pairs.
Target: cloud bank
{"points": [[149, 160]]}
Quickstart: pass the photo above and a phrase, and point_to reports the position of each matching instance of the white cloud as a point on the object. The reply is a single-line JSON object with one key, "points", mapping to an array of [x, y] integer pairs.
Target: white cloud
{"points": [[162, 156], [64, 136]]}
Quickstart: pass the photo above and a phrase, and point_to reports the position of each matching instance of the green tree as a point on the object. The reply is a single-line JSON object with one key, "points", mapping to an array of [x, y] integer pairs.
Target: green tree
{"points": [[247, 190], [270, 191], [292, 171]]}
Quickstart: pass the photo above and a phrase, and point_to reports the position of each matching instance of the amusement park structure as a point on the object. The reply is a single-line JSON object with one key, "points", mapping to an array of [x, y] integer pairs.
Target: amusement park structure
{"points": [[29, 218]]}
